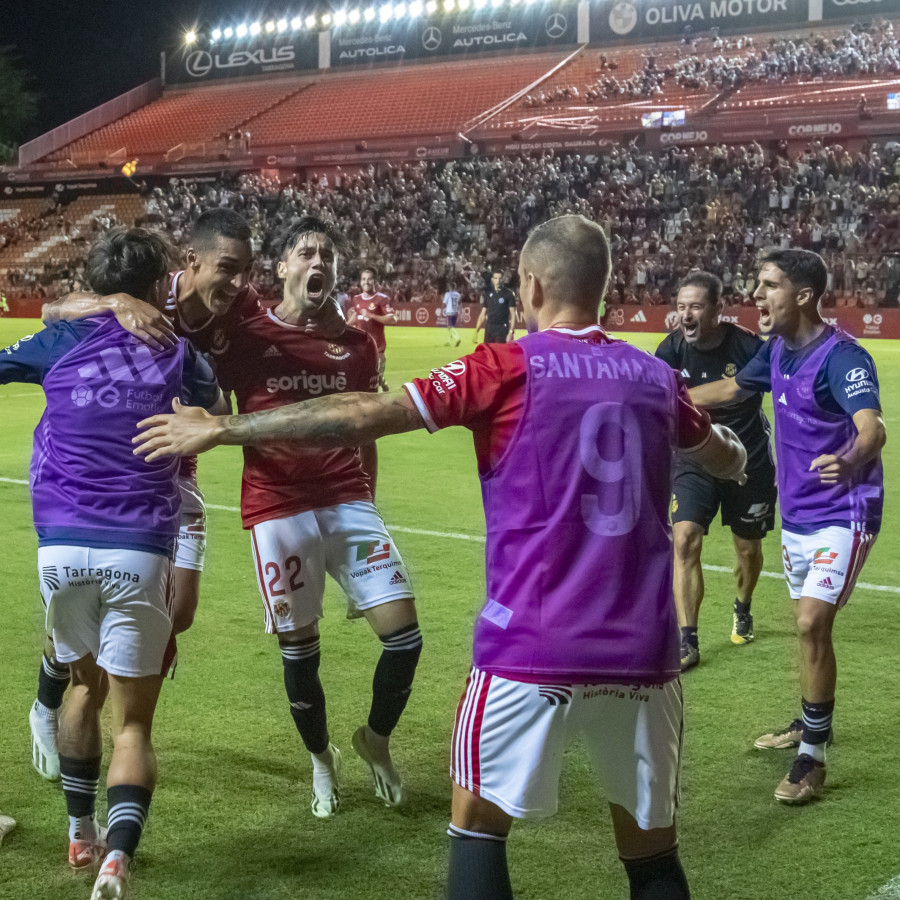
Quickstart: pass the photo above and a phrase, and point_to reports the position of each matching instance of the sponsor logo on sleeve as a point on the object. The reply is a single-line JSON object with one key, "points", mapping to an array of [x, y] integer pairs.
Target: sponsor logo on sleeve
{"points": [[444, 379], [859, 381]]}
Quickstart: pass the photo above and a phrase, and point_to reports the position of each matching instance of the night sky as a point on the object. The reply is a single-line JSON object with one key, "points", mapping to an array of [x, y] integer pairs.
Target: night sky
{"points": [[84, 52]]}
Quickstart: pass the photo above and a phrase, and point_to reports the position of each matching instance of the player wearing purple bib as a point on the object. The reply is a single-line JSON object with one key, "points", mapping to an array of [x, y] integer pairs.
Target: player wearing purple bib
{"points": [[107, 526], [828, 438], [575, 434]]}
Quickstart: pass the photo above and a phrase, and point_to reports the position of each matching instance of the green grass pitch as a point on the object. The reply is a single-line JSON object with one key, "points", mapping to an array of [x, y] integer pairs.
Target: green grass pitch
{"points": [[231, 814]]}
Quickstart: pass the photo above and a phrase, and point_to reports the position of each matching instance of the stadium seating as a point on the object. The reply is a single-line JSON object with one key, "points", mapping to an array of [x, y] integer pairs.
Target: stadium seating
{"points": [[180, 116]]}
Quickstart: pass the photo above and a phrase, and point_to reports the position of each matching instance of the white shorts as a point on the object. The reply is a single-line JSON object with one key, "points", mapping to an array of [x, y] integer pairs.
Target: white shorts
{"points": [[825, 564], [191, 547], [112, 604], [509, 739], [348, 541]]}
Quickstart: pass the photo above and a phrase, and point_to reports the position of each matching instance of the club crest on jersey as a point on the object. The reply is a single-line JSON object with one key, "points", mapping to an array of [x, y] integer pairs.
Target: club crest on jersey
{"points": [[337, 351], [730, 370], [220, 343], [372, 307]]}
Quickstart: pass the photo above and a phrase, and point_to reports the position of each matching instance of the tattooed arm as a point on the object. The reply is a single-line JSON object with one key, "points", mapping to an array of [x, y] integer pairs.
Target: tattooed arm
{"points": [[339, 420]]}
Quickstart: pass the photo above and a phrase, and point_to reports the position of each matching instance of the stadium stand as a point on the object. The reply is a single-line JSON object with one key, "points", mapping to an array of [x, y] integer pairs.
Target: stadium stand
{"points": [[667, 210]]}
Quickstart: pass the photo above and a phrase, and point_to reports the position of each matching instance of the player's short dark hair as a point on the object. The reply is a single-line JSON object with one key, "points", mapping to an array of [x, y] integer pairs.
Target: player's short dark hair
{"points": [[128, 260], [705, 280], [803, 267], [310, 225], [571, 254], [216, 223], [371, 269]]}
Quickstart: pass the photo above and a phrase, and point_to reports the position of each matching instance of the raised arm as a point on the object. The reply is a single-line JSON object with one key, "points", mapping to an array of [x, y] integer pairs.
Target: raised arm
{"points": [[144, 321], [339, 420]]}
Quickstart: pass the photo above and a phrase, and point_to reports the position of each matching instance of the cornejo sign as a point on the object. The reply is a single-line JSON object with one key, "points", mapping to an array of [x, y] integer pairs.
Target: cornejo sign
{"points": [[639, 20]]}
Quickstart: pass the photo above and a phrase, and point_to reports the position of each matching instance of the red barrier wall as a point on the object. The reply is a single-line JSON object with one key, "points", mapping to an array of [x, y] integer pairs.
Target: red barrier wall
{"points": [[861, 323]]}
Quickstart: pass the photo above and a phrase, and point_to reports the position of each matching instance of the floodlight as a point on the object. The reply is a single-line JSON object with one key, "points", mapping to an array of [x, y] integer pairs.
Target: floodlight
{"points": [[228, 33], [354, 16], [463, 5], [369, 14], [480, 4], [190, 37], [310, 21], [340, 18], [241, 31], [216, 34], [281, 25], [449, 5], [415, 8], [326, 18], [270, 27], [496, 3], [296, 23], [386, 13], [255, 28], [431, 7]]}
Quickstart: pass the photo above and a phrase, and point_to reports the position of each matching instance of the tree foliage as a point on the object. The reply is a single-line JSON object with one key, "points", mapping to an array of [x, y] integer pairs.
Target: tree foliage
{"points": [[18, 103]]}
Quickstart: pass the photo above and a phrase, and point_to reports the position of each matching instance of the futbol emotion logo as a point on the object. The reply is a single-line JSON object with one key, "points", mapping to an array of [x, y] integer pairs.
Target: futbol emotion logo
{"points": [[198, 63], [82, 395], [825, 556], [556, 25], [431, 38], [623, 17]]}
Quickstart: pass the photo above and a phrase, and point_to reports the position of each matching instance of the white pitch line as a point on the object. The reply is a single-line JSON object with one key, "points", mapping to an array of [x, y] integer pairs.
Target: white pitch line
{"points": [[459, 536], [889, 891]]}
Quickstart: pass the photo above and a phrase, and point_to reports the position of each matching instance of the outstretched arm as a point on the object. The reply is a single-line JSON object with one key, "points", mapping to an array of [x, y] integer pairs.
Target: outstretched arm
{"points": [[340, 420], [144, 321], [719, 393], [723, 455]]}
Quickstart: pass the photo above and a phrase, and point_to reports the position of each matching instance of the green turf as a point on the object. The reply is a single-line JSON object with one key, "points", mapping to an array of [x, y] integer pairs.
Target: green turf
{"points": [[231, 815]]}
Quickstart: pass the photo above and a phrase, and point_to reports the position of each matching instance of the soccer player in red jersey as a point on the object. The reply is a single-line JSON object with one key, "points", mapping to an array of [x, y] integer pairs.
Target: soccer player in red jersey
{"points": [[579, 632], [312, 512], [370, 311]]}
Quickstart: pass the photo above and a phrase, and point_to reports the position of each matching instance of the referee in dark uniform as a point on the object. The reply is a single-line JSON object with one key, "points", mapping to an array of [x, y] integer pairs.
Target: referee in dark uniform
{"points": [[704, 349], [498, 313]]}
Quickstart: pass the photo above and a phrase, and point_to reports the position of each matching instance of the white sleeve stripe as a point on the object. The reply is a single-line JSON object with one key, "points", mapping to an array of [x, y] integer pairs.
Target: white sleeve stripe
{"points": [[424, 412], [699, 446]]}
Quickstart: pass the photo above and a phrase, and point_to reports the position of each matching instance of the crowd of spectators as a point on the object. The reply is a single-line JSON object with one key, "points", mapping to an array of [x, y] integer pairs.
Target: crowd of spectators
{"points": [[63, 270], [711, 63], [427, 224]]}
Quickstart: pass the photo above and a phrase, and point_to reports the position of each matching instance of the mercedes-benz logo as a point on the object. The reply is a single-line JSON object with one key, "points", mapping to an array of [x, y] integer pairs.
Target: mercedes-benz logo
{"points": [[198, 63], [431, 38], [556, 25]]}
